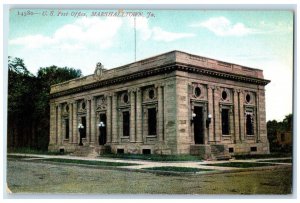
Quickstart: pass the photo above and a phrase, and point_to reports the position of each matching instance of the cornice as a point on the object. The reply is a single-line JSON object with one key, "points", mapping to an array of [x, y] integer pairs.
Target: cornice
{"points": [[159, 70]]}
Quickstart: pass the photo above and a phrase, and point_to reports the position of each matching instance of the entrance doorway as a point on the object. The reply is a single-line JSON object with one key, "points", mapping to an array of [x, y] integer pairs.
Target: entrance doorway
{"points": [[198, 125], [102, 129]]}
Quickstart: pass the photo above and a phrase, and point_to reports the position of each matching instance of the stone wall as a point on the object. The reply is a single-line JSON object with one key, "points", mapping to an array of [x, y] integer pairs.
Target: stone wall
{"points": [[176, 92]]}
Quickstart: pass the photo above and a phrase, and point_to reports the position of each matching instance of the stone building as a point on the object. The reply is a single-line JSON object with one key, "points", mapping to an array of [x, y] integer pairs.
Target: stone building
{"points": [[173, 103]]}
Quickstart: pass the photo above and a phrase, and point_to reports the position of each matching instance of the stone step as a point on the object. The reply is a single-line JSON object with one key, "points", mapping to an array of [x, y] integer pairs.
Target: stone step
{"points": [[220, 152]]}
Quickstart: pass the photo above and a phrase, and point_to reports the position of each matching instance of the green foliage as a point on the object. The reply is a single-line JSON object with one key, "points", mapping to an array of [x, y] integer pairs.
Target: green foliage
{"points": [[262, 156], [28, 150], [274, 127], [87, 162], [241, 164], [278, 161], [178, 169], [28, 102]]}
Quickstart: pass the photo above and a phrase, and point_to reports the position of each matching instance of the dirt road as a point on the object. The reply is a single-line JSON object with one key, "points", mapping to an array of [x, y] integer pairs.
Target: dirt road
{"points": [[39, 177]]}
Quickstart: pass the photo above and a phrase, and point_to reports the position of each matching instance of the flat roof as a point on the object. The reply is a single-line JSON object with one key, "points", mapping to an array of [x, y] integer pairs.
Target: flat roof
{"points": [[172, 57]]}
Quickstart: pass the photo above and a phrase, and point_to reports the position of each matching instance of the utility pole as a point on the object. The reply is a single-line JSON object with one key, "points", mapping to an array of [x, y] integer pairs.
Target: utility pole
{"points": [[134, 38]]}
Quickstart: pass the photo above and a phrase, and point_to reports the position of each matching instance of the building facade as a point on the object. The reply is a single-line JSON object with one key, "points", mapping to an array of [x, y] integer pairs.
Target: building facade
{"points": [[173, 103]]}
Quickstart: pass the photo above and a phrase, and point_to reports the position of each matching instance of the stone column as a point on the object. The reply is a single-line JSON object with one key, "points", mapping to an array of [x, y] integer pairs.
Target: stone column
{"points": [[139, 134], [108, 119], [53, 124], [59, 125], [114, 119], [242, 116], [70, 122], [218, 129], [211, 129], [160, 107], [93, 123], [132, 115], [75, 124], [236, 115], [88, 120]]}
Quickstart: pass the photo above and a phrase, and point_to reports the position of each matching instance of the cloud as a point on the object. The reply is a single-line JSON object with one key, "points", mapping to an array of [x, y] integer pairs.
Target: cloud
{"points": [[221, 26], [162, 35], [157, 33], [78, 35], [32, 41]]}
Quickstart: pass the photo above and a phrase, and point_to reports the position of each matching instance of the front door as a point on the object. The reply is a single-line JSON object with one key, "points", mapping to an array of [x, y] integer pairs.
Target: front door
{"points": [[102, 129], [198, 125]]}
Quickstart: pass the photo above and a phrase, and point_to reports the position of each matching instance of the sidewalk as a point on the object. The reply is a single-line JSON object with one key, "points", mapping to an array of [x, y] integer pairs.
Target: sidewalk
{"points": [[144, 164]]}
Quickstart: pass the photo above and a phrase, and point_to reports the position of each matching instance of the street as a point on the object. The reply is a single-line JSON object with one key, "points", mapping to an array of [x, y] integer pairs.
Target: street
{"points": [[43, 177]]}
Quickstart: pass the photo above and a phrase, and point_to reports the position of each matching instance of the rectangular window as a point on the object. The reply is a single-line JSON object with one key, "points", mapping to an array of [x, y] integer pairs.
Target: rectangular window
{"points": [[152, 121], [83, 120], [225, 121], [67, 128], [249, 125], [126, 123]]}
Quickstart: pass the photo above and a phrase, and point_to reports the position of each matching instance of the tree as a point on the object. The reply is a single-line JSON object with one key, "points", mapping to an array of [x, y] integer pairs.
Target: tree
{"points": [[48, 76], [28, 102], [274, 128], [21, 98], [287, 123]]}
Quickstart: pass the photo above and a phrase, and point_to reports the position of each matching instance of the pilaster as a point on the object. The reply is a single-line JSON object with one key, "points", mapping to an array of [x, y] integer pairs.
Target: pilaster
{"points": [[218, 129], [139, 134], [53, 124], [114, 119], [88, 120], [75, 124], [70, 122], [59, 125], [236, 115], [132, 115], [211, 128], [160, 107], [242, 116], [93, 122], [109, 122]]}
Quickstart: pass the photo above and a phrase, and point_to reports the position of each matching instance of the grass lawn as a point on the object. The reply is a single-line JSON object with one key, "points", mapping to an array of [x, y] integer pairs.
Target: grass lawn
{"points": [[34, 151], [279, 161], [154, 157], [86, 162], [18, 157], [262, 156], [177, 169], [241, 164]]}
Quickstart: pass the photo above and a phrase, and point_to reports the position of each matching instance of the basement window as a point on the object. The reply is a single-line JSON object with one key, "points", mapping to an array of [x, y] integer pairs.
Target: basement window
{"points": [[253, 149], [146, 151], [120, 151]]}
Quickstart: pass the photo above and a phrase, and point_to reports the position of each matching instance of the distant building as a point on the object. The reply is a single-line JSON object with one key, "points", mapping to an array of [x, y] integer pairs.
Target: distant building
{"points": [[173, 103], [284, 138]]}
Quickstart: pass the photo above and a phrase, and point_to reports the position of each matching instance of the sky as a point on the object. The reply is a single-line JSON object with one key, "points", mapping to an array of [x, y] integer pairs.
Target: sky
{"points": [[79, 39]]}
